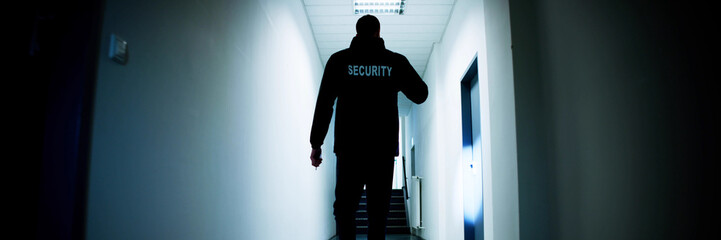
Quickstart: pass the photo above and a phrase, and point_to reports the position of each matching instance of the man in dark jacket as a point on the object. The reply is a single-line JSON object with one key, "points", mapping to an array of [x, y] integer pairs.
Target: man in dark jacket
{"points": [[366, 79]]}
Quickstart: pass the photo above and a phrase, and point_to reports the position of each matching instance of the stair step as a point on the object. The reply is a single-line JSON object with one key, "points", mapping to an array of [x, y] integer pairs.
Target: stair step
{"points": [[391, 207], [390, 215], [393, 199], [397, 222], [388, 227], [389, 230], [398, 199], [390, 211], [398, 193], [392, 204], [401, 222], [389, 219], [392, 196]]}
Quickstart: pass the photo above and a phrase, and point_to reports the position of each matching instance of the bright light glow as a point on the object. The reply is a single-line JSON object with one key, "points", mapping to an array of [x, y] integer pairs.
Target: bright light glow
{"points": [[379, 7]]}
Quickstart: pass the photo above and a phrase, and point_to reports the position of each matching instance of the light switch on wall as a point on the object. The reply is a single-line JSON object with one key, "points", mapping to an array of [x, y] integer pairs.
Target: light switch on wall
{"points": [[118, 49]]}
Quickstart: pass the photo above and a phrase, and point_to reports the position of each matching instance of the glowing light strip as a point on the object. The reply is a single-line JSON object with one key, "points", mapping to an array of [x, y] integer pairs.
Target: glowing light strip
{"points": [[379, 7]]}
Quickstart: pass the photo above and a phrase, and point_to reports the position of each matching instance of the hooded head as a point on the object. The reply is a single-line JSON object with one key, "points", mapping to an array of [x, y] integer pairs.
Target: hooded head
{"points": [[368, 26]]}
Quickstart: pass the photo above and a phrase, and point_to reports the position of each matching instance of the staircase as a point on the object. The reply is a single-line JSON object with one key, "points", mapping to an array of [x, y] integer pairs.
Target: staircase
{"points": [[397, 223]]}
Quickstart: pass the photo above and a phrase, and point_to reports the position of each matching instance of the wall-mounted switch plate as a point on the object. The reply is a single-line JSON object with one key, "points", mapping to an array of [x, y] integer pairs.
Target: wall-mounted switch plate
{"points": [[118, 49]]}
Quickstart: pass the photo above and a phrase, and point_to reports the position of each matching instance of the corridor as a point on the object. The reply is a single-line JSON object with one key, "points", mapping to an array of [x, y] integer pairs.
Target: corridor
{"points": [[191, 119]]}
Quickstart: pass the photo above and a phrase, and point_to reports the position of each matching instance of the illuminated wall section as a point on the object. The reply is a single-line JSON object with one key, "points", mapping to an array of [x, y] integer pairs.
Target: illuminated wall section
{"points": [[204, 133], [475, 28]]}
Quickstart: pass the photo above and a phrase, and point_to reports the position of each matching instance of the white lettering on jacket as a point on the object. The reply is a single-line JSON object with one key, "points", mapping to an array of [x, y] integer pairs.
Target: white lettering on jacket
{"points": [[369, 70]]}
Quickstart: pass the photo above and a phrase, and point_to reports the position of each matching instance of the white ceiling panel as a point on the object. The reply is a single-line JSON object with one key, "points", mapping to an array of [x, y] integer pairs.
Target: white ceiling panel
{"points": [[351, 20], [349, 2], [329, 10], [393, 44], [415, 10], [428, 10], [335, 44], [422, 2], [327, 2], [387, 28], [388, 37]]}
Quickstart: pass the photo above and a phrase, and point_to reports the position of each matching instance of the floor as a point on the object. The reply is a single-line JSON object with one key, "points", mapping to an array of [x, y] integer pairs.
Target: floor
{"points": [[388, 237]]}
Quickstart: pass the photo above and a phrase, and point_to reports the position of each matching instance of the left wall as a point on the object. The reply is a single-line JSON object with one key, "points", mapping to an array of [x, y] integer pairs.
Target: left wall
{"points": [[204, 133]]}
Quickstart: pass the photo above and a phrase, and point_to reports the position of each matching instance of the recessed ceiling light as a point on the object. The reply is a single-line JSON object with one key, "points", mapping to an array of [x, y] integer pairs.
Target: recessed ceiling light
{"points": [[379, 7]]}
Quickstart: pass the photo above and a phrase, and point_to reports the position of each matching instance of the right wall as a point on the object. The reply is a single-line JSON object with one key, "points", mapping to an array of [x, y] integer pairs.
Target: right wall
{"points": [[476, 29], [614, 118]]}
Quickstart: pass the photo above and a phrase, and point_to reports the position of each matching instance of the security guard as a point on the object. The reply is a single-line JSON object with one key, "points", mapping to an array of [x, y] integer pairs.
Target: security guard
{"points": [[366, 79]]}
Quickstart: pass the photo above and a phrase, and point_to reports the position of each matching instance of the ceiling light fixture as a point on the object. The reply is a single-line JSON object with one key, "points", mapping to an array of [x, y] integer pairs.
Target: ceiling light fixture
{"points": [[379, 7]]}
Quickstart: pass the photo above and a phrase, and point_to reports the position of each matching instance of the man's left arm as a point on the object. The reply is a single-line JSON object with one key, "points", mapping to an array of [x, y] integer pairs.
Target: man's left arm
{"points": [[411, 83]]}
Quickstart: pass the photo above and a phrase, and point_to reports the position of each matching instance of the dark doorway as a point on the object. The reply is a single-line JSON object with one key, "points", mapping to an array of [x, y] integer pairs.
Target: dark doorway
{"points": [[472, 171], [57, 55]]}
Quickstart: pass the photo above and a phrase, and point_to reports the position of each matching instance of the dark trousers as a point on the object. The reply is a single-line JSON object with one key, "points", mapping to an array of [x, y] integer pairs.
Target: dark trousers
{"points": [[354, 171]]}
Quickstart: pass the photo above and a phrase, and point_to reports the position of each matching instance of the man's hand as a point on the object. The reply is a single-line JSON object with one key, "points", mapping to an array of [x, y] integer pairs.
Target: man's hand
{"points": [[315, 157]]}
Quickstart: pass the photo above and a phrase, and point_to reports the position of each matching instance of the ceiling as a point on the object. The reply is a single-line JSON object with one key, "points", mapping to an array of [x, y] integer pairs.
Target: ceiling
{"points": [[411, 34]]}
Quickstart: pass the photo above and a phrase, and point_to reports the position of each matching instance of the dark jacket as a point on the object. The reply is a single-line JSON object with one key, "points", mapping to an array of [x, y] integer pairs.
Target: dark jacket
{"points": [[366, 79]]}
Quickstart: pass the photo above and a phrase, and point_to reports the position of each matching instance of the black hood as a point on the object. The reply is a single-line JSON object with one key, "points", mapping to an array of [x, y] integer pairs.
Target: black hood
{"points": [[369, 43]]}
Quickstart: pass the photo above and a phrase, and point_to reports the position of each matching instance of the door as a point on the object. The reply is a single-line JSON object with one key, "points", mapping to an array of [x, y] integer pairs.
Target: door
{"points": [[472, 172]]}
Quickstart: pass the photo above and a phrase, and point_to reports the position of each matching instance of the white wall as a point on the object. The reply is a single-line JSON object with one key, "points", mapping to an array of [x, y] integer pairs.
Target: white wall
{"points": [[204, 134], [476, 28]]}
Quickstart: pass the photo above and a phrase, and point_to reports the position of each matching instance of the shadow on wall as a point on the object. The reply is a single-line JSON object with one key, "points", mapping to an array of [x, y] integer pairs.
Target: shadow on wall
{"points": [[614, 110]]}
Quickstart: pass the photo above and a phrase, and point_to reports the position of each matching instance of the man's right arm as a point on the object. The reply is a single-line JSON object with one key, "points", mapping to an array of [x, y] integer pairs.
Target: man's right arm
{"points": [[324, 104]]}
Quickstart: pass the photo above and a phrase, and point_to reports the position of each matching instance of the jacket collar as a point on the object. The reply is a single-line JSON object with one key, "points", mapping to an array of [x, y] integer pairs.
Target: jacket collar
{"points": [[367, 43]]}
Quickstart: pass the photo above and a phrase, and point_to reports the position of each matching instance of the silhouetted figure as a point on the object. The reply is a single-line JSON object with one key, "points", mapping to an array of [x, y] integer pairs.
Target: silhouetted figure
{"points": [[366, 79]]}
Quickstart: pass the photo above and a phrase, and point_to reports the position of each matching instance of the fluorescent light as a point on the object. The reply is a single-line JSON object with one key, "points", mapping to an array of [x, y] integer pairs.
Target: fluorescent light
{"points": [[379, 7]]}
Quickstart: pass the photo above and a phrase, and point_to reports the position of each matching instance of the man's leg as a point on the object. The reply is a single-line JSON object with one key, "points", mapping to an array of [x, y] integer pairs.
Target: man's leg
{"points": [[378, 191], [348, 191]]}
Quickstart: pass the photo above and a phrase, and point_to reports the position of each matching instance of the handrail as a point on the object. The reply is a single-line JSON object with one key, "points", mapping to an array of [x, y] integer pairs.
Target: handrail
{"points": [[405, 179]]}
